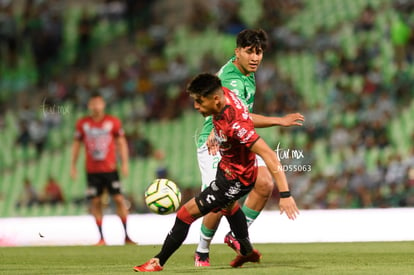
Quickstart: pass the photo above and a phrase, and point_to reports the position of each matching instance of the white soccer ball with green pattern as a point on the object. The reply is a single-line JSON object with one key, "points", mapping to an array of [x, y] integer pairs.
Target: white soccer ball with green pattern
{"points": [[163, 196]]}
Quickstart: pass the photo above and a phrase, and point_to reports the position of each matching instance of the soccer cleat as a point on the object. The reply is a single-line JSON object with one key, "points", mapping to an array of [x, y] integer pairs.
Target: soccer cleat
{"points": [[232, 242], [201, 259], [101, 242], [150, 266], [253, 257], [129, 241]]}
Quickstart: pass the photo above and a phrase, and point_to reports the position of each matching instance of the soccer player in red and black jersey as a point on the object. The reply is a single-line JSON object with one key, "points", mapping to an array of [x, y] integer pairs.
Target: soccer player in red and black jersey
{"points": [[236, 172], [102, 135]]}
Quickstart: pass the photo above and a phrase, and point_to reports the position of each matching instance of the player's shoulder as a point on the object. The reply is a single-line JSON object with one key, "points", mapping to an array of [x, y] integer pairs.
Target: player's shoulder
{"points": [[236, 107], [112, 118], [229, 70], [83, 119]]}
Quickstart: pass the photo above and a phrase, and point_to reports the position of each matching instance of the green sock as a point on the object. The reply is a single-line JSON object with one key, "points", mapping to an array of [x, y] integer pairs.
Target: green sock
{"points": [[251, 215], [206, 235]]}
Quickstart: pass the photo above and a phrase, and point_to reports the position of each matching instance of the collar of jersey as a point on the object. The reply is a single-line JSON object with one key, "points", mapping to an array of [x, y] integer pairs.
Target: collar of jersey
{"points": [[220, 115]]}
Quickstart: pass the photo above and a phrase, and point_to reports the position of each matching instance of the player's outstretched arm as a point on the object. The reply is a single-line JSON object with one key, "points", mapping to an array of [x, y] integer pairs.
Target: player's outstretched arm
{"points": [[294, 119], [287, 204], [124, 155]]}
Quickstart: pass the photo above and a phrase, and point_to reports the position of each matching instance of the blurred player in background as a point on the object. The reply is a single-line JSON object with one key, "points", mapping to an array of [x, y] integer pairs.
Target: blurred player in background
{"points": [[102, 135], [238, 76], [236, 173]]}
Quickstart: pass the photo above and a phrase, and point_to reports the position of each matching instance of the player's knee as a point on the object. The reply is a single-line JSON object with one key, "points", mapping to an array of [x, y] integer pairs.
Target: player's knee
{"points": [[96, 203], [119, 200], [184, 215]]}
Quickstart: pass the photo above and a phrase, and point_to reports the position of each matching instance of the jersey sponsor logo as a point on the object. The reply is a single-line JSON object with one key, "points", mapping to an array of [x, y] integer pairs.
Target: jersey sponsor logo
{"points": [[233, 83], [233, 190]]}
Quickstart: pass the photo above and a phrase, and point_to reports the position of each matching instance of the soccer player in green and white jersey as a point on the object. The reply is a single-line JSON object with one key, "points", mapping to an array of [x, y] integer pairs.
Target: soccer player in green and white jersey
{"points": [[238, 76]]}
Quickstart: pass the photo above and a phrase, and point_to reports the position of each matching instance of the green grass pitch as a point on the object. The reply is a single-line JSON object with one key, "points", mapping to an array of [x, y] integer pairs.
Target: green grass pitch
{"points": [[315, 258]]}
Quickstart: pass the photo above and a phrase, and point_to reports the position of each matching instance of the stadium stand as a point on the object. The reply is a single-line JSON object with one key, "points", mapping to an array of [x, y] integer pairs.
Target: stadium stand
{"points": [[329, 63]]}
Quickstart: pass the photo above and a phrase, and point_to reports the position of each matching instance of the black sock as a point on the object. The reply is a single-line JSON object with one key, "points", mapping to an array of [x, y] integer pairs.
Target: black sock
{"points": [[99, 225], [173, 241], [238, 225], [125, 229], [100, 231]]}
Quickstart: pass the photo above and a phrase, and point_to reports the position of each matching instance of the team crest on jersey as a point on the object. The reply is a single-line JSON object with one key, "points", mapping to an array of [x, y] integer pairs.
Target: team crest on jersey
{"points": [[86, 127], [107, 125]]}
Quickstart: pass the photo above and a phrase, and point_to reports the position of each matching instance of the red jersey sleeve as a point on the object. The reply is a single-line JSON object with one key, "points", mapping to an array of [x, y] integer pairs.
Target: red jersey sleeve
{"points": [[117, 131], [243, 130]]}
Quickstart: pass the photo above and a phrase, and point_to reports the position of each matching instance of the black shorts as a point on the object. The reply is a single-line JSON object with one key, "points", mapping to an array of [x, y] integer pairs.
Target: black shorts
{"points": [[98, 182], [221, 193]]}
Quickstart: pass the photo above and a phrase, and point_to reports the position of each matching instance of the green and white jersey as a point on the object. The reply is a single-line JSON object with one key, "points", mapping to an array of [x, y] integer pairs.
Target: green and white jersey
{"points": [[243, 86]]}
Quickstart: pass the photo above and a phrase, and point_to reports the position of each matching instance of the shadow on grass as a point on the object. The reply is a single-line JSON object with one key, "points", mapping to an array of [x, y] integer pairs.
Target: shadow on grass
{"points": [[262, 268]]}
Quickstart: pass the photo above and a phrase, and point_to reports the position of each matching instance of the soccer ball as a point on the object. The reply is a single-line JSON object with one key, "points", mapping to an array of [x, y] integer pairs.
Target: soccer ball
{"points": [[163, 196]]}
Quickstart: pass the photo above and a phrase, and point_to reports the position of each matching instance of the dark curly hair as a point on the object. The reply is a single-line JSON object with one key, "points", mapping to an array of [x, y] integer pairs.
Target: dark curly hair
{"points": [[256, 39]]}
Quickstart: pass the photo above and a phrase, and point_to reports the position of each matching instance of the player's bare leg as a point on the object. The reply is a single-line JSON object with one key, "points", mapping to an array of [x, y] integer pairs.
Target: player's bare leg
{"points": [[96, 211], [254, 203], [208, 229], [122, 212], [262, 190]]}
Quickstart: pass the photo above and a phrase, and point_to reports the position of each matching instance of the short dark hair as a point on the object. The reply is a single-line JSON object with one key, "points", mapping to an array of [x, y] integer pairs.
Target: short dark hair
{"points": [[204, 84], [95, 94], [252, 38]]}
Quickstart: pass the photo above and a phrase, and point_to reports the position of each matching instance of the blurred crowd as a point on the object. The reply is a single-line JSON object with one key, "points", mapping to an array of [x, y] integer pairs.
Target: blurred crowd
{"points": [[371, 106], [141, 70]]}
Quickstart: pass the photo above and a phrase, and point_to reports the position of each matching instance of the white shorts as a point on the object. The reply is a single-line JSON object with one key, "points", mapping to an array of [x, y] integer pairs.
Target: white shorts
{"points": [[208, 165]]}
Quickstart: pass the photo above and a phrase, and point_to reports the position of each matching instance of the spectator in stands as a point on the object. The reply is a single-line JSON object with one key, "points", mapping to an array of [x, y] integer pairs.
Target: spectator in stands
{"points": [[8, 34], [84, 47], [400, 35], [23, 138], [396, 171], [38, 135], [366, 21], [27, 114], [340, 138], [52, 192], [138, 145], [359, 185], [29, 196]]}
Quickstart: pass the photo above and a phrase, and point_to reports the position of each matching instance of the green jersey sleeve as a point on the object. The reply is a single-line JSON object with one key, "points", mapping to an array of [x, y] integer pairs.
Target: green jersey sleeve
{"points": [[243, 86], [235, 85]]}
